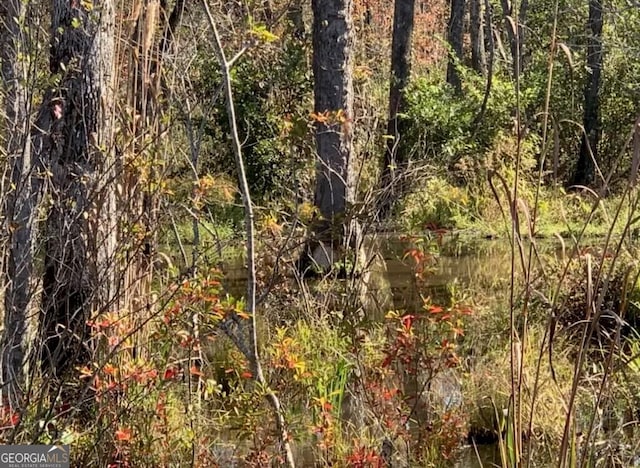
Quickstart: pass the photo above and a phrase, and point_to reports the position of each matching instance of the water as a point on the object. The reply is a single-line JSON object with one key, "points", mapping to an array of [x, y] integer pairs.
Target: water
{"points": [[480, 456], [456, 270], [449, 274]]}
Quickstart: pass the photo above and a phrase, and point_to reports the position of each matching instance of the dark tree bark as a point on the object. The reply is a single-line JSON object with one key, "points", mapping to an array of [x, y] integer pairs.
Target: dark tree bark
{"points": [[476, 29], [396, 154], [333, 104], [454, 37], [171, 25], [21, 203], [79, 264], [490, 49], [585, 168]]}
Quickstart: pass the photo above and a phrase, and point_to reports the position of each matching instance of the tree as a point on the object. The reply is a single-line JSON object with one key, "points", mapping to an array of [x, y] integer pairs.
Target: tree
{"points": [[455, 39], [150, 38], [20, 208], [585, 168], [516, 40], [79, 276], [396, 154], [232, 325], [476, 29], [333, 108]]}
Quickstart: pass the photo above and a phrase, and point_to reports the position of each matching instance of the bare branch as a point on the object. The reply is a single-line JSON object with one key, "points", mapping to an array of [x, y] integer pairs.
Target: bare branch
{"points": [[252, 353]]}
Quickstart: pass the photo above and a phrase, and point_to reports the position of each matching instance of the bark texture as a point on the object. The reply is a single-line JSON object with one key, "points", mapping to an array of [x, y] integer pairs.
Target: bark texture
{"points": [[20, 204], [79, 272], [333, 94], [585, 168], [455, 38], [150, 38], [396, 154], [476, 30]]}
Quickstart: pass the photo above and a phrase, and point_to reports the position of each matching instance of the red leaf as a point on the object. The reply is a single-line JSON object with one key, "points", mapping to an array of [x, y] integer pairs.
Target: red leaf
{"points": [[170, 373], [195, 371], [407, 321]]}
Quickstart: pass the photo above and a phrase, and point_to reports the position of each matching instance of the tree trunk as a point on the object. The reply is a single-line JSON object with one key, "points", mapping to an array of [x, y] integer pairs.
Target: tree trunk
{"points": [[455, 29], [396, 154], [333, 95], [585, 168], [151, 37], [478, 52], [21, 202], [79, 261], [517, 42]]}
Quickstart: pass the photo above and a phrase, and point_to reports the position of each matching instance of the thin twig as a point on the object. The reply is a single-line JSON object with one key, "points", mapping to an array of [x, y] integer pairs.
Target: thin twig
{"points": [[249, 227]]}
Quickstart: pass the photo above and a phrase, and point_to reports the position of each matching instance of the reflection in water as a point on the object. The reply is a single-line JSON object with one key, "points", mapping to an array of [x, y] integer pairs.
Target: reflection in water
{"points": [[393, 285], [480, 456]]}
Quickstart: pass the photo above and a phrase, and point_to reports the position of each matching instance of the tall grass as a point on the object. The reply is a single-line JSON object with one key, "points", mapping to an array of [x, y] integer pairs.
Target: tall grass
{"points": [[582, 426]]}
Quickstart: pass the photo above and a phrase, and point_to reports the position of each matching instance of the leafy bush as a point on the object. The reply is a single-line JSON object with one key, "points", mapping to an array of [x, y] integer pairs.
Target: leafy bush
{"points": [[272, 93], [445, 126]]}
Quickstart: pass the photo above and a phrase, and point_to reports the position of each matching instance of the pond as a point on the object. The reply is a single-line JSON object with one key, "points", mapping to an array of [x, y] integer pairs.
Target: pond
{"points": [[450, 269]]}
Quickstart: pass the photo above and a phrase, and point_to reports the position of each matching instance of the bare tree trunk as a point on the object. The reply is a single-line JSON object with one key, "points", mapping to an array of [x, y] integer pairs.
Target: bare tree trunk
{"points": [[585, 168], [21, 203], [396, 154], [333, 104], [455, 30], [478, 52], [79, 261]]}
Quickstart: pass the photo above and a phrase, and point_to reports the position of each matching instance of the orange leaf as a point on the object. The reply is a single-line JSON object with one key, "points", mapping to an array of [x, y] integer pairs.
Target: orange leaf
{"points": [[195, 371], [85, 372], [123, 434]]}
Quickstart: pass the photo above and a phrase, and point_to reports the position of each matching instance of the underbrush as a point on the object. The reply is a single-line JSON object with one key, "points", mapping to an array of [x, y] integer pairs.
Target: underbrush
{"points": [[538, 364], [441, 204]]}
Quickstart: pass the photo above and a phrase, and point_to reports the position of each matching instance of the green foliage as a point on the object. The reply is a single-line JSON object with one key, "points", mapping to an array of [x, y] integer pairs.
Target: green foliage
{"points": [[444, 126], [272, 92], [438, 205]]}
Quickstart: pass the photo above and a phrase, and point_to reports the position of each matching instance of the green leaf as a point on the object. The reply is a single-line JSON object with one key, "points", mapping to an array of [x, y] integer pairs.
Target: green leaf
{"points": [[260, 32]]}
